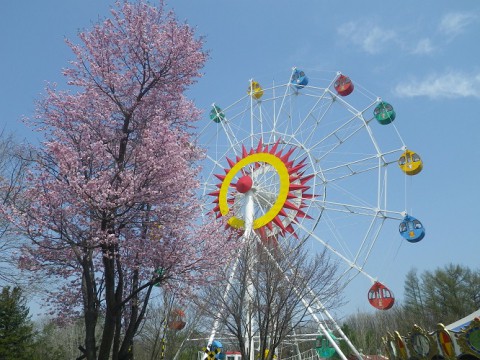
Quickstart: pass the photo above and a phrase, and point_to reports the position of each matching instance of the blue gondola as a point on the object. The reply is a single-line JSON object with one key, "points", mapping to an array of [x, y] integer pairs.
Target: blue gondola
{"points": [[299, 79], [411, 229], [217, 347]]}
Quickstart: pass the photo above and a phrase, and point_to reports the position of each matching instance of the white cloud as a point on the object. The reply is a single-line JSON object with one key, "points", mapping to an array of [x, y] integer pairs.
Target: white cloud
{"points": [[423, 46], [453, 24], [372, 39], [452, 84]]}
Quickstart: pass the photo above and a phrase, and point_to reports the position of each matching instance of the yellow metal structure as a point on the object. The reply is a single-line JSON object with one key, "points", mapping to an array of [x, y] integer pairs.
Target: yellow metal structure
{"points": [[283, 175], [401, 346], [410, 163], [421, 344], [255, 90], [446, 342], [469, 338]]}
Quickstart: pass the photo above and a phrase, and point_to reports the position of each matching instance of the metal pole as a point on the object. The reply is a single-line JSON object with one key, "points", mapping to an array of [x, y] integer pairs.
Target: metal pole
{"points": [[249, 214], [310, 310]]}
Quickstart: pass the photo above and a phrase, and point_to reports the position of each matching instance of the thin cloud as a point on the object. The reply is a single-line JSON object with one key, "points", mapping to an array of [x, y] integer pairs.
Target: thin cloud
{"points": [[371, 39], [450, 85], [423, 47], [453, 24]]}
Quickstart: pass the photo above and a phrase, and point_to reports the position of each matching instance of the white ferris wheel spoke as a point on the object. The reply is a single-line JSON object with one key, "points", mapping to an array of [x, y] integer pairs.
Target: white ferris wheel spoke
{"points": [[332, 157]]}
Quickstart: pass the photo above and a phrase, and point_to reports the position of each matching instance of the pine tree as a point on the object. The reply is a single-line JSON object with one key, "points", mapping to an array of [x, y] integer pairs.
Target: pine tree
{"points": [[16, 330]]}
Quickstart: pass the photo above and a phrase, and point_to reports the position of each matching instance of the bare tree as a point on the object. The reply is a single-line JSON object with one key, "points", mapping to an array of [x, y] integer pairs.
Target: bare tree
{"points": [[168, 324], [57, 341], [366, 330], [13, 167], [271, 292]]}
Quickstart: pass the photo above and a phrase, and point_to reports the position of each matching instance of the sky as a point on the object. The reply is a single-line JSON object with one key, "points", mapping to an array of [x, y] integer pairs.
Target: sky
{"points": [[421, 56]]}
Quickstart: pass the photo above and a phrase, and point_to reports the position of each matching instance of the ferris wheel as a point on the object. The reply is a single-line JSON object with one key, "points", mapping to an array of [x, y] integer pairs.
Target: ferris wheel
{"points": [[312, 157]]}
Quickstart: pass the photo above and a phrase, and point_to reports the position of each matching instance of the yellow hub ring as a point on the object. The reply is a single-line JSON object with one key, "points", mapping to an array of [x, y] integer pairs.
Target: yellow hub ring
{"points": [[284, 179]]}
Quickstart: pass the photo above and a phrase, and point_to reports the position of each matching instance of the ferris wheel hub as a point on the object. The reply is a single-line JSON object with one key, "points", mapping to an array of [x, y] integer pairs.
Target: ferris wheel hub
{"points": [[244, 184]]}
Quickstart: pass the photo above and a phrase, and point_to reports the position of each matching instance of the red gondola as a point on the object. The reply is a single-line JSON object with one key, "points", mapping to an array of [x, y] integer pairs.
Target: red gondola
{"points": [[343, 85], [380, 297], [177, 322]]}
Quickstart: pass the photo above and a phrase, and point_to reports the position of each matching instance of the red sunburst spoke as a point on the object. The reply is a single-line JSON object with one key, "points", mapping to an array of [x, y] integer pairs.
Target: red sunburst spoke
{"points": [[263, 179]]}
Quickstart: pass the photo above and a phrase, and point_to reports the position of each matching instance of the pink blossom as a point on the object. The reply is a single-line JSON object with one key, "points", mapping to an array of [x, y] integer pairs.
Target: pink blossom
{"points": [[112, 195]]}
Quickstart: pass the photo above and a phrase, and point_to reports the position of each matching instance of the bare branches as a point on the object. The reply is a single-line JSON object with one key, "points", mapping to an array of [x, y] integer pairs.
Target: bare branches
{"points": [[272, 289], [13, 166]]}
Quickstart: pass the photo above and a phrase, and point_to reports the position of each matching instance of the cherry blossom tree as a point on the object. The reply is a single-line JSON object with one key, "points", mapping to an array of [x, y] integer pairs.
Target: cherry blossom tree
{"points": [[112, 206]]}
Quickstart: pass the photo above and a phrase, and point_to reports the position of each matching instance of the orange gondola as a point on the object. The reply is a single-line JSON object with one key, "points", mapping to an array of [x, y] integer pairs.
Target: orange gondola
{"points": [[380, 297]]}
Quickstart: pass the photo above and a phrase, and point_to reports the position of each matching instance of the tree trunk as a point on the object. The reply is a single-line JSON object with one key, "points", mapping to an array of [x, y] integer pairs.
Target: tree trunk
{"points": [[110, 302], [90, 308]]}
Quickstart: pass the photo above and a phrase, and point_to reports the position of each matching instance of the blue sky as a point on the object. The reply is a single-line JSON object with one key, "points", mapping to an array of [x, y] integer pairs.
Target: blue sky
{"points": [[421, 56]]}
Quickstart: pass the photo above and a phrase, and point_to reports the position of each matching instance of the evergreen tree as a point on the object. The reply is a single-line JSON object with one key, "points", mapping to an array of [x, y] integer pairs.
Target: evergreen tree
{"points": [[414, 302], [16, 330], [443, 295], [451, 292]]}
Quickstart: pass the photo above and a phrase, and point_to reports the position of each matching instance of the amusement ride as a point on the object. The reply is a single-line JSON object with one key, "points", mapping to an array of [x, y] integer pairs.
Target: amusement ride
{"points": [[308, 159]]}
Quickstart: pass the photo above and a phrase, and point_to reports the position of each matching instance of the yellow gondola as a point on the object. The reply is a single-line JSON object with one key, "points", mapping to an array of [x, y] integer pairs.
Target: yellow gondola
{"points": [[410, 163], [255, 90]]}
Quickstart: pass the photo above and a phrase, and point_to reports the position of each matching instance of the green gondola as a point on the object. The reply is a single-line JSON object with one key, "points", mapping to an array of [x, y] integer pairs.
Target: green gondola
{"points": [[384, 113], [217, 114], [323, 347]]}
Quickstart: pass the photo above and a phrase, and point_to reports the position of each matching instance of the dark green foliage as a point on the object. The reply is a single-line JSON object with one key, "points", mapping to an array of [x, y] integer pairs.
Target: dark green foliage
{"points": [[16, 330], [443, 295]]}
